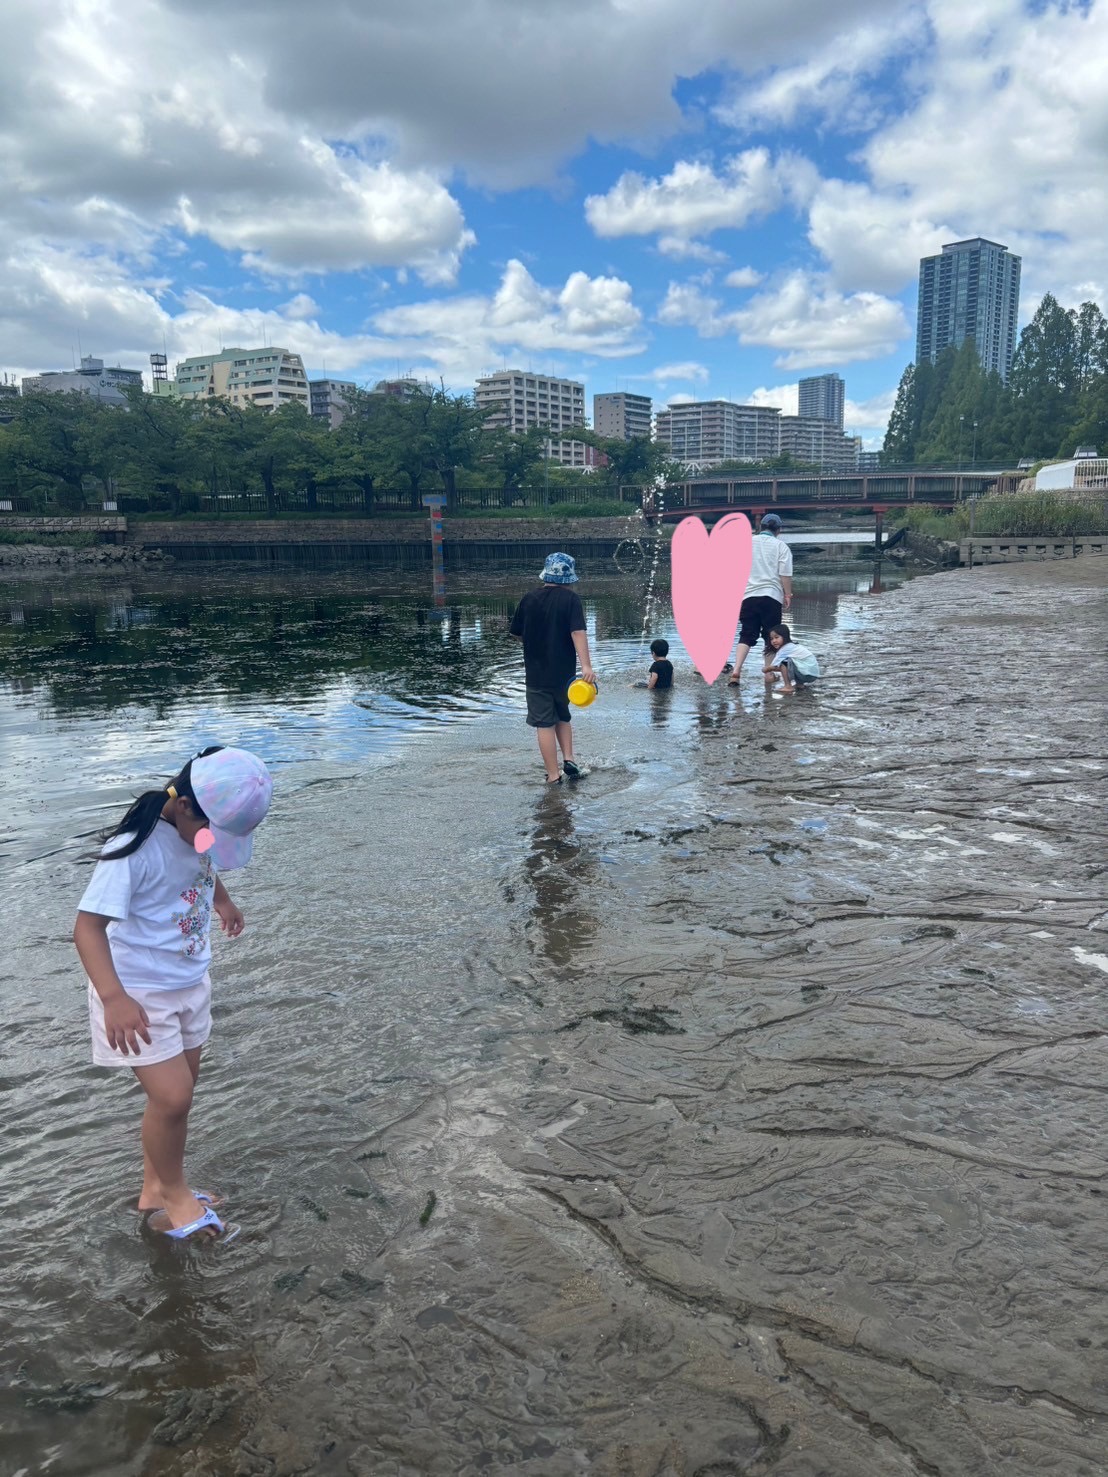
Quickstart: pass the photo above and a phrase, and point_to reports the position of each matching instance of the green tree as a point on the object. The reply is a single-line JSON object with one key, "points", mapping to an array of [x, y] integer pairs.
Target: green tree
{"points": [[1045, 379]]}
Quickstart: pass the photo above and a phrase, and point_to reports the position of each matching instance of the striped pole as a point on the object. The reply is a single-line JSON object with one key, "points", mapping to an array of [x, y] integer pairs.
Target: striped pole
{"points": [[436, 502]]}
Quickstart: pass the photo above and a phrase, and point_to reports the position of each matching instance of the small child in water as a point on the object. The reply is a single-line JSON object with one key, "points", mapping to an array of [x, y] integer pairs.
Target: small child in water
{"points": [[661, 669], [794, 664]]}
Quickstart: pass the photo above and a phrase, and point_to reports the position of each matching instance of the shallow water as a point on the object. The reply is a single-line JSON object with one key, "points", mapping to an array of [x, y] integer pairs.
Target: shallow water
{"points": [[758, 1079]]}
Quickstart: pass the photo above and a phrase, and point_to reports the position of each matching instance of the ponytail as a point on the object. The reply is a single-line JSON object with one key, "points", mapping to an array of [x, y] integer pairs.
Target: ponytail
{"points": [[145, 813]]}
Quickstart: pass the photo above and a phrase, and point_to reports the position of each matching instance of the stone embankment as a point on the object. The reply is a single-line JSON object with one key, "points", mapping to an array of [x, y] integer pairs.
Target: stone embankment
{"points": [[65, 557], [291, 531]]}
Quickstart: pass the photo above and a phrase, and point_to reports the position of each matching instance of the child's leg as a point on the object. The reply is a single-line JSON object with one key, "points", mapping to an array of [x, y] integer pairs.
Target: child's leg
{"points": [[151, 1196], [564, 734], [548, 748], [168, 1087]]}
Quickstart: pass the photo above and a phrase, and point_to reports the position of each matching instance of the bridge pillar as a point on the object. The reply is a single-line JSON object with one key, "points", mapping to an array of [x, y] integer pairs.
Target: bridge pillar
{"points": [[879, 512]]}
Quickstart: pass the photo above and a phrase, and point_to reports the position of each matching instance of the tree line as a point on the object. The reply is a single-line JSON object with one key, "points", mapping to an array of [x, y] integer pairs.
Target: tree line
{"points": [[1055, 399], [61, 449]]}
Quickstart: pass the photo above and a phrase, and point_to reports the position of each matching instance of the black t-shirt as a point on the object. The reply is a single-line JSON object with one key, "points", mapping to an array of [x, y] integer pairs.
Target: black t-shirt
{"points": [[545, 619], [663, 670]]}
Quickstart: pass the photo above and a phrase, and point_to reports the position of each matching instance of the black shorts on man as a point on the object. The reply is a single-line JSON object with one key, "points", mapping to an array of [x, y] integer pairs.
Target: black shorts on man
{"points": [[758, 614]]}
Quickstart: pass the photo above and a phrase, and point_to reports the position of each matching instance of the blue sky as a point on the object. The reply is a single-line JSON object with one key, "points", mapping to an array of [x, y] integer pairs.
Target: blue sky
{"points": [[688, 201]]}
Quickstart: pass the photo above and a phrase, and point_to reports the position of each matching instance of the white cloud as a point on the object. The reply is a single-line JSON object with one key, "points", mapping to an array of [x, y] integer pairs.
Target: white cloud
{"points": [[505, 91], [689, 370], [802, 316], [588, 315], [812, 325], [1004, 135], [743, 277], [830, 82], [683, 250], [105, 145], [785, 398]]}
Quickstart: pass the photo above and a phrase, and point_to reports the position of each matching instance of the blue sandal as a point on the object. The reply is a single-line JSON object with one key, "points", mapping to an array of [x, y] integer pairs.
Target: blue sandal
{"points": [[208, 1219]]}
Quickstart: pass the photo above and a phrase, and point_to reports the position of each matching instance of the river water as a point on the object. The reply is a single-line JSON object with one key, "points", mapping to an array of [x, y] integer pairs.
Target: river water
{"points": [[757, 1079]]}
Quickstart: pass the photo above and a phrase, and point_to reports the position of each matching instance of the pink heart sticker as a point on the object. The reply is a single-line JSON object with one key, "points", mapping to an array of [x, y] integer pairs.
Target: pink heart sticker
{"points": [[710, 574]]}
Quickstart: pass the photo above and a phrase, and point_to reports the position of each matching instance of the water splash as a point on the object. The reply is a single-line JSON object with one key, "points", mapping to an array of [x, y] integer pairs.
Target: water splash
{"points": [[643, 551]]}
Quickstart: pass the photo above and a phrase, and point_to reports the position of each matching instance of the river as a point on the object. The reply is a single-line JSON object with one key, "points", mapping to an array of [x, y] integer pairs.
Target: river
{"points": [[755, 1078]]}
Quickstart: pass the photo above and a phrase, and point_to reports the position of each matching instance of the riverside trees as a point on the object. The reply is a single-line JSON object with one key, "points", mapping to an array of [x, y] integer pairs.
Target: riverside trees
{"points": [[1056, 397], [59, 449]]}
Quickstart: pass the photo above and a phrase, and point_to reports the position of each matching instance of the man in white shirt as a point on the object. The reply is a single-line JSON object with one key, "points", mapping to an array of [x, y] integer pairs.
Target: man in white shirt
{"points": [[769, 591]]}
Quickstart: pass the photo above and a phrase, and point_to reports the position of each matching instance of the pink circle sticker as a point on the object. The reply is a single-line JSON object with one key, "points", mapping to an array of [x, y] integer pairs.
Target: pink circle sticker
{"points": [[204, 839]]}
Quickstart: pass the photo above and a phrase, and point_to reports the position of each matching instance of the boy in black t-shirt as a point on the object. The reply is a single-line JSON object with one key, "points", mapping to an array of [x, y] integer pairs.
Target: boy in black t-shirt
{"points": [[550, 622], [661, 670]]}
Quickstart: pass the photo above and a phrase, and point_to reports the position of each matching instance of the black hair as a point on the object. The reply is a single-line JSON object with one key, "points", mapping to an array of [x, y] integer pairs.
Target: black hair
{"points": [[659, 648], [146, 811], [782, 630]]}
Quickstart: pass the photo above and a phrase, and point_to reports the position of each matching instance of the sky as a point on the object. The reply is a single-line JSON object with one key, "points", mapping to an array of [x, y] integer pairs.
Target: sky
{"points": [[685, 200]]}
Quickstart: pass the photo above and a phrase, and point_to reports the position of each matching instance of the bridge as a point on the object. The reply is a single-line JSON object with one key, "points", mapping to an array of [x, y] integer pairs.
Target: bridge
{"points": [[873, 492]]}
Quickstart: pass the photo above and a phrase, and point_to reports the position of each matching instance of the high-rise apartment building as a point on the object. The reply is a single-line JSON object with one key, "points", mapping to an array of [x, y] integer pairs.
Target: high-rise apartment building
{"points": [[970, 291], [819, 443], [269, 377], [704, 433], [106, 383], [621, 417], [518, 401], [328, 400], [821, 399]]}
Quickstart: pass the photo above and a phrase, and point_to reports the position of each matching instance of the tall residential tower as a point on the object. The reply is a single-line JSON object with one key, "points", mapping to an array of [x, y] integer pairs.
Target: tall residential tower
{"points": [[821, 399], [970, 291]]}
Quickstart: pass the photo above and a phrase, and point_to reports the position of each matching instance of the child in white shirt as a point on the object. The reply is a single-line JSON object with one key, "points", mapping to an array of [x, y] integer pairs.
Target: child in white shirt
{"points": [[143, 935], [791, 664]]}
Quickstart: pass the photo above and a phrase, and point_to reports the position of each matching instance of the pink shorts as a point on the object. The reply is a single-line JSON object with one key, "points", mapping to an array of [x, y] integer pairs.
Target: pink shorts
{"points": [[179, 1021]]}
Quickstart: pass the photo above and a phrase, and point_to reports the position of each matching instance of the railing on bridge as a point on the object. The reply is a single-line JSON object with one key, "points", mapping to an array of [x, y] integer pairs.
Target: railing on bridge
{"points": [[899, 486]]}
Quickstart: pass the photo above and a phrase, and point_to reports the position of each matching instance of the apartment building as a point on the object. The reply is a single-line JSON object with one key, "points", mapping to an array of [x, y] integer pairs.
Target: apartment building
{"points": [[105, 382], [269, 377], [819, 443], [328, 400], [622, 417], [704, 433], [822, 397], [970, 290], [518, 401]]}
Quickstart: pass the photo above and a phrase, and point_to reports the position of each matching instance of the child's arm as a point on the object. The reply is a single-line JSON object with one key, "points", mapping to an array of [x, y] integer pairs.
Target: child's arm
{"points": [[231, 920], [581, 646], [124, 1019], [652, 680]]}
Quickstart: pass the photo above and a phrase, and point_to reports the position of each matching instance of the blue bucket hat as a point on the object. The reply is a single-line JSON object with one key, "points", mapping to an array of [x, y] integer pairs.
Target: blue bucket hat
{"points": [[772, 521], [559, 569]]}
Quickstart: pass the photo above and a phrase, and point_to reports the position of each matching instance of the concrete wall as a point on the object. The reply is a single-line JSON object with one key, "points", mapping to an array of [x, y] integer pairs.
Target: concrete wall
{"points": [[1000, 550], [290, 531]]}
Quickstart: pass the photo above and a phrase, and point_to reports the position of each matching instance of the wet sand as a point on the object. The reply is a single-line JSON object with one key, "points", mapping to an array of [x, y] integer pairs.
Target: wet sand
{"points": [[767, 1138]]}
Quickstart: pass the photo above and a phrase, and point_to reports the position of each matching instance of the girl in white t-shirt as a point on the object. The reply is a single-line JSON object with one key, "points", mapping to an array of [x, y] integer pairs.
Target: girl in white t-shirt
{"points": [[143, 935]]}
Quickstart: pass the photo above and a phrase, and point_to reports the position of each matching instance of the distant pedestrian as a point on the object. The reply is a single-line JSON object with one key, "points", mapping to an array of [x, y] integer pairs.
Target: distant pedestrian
{"points": [[660, 676], [791, 664], [769, 591], [550, 622], [143, 935]]}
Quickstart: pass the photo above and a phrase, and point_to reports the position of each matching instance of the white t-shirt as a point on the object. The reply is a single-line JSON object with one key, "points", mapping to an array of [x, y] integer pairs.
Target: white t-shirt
{"points": [[160, 898], [806, 663], [772, 559]]}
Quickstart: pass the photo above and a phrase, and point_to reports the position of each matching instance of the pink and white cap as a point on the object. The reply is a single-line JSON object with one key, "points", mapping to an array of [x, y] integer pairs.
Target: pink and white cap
{"points": [[233, 788]]}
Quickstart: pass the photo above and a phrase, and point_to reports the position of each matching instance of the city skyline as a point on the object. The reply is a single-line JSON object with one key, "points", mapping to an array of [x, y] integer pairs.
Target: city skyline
{"points": [[677, 212]]}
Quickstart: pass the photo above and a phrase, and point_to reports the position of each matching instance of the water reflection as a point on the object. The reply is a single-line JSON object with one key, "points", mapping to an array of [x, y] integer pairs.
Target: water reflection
{"points": [[560, 868]]}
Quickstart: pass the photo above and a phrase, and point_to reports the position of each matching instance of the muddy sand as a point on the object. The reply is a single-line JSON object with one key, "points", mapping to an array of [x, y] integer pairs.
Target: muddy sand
{"points": [[781, 1148]]}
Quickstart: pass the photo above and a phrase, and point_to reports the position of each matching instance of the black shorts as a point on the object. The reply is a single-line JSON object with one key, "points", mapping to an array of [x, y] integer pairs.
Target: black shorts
{"points": [[546, 707], [758, 614]]}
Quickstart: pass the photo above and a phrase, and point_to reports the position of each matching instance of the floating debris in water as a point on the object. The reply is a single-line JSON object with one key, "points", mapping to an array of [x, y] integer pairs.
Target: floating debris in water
{"points": [[429, 1209]]}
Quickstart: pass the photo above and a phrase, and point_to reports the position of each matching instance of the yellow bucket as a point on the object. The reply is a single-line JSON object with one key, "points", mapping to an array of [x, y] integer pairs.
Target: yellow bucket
{"points": [[581, 693]]}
